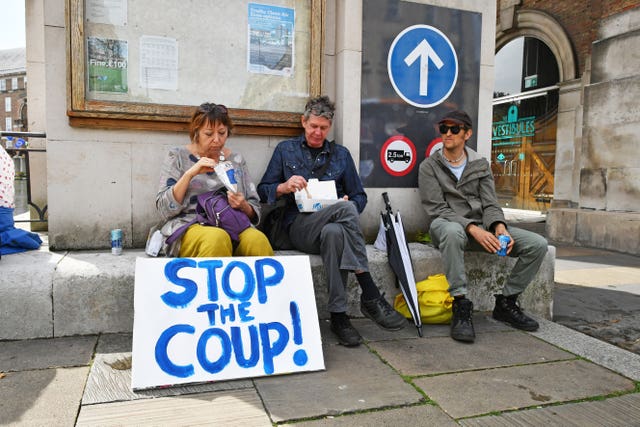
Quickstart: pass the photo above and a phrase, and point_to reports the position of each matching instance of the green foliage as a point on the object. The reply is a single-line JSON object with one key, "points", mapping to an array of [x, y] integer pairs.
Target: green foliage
{"points": [[423, 237]]}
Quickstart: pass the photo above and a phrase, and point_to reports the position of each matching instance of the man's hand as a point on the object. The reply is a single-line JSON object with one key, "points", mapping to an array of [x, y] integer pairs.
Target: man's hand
{"points": [[486, 239], [499, 229], [293, 184]]}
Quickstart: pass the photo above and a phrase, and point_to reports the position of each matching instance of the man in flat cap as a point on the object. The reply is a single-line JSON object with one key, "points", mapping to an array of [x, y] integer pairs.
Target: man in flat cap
{"points": [[459, 197]]}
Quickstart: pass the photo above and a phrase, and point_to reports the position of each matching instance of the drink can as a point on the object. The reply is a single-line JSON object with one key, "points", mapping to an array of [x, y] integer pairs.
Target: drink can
{"points": [[116, 241], [504, 241]]}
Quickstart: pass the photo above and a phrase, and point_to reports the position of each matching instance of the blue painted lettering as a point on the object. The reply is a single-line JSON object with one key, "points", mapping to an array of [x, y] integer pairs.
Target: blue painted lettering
{"points": [[249, 281], [174, 299], [243, 312], [238, 350], [212, 284], [225, 356], [227, 313], [269, 351], [211, 312], [162, 356], [264, 281]]}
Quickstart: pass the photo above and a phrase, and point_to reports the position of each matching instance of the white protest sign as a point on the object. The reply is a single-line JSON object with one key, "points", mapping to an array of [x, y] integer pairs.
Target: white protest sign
{"points": [[213, 319]]}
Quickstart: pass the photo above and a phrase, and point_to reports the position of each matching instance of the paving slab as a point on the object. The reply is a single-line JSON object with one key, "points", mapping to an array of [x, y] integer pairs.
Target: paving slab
{"points": [[46, 353], [474, 393], [110, 376], [421, 415], [616, 411], [46, 397], [443, 354], [370, 331], [231, 408], [355, 380], [618, 360], [603, 276]]}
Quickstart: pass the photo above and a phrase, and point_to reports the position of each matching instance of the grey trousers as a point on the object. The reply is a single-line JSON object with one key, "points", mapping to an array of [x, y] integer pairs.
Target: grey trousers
{"points": [[334, 233], [451, 239]]}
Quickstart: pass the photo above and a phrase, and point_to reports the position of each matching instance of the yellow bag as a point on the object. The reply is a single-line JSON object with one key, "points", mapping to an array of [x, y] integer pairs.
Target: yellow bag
{"points": [[434, 299]]}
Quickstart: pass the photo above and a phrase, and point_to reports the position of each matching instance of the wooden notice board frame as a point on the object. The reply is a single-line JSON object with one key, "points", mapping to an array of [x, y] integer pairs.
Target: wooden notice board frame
{"points": [[131, 114]]}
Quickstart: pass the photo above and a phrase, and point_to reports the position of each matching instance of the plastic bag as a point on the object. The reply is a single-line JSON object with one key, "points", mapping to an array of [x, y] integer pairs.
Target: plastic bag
{"points": [[434, 300]]}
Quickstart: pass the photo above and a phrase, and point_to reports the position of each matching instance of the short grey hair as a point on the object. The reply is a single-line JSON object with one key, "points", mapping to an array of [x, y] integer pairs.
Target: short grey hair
{"points": [[320, 106]]}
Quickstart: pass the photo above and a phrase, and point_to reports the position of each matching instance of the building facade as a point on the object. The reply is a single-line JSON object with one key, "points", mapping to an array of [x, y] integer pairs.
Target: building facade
{"points": [[13, 90], [596, 195], [590, 170]]}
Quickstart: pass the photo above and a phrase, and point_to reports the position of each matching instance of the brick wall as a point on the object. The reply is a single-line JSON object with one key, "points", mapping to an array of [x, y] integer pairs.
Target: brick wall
{"points": [[17, 95], [577, 18]]}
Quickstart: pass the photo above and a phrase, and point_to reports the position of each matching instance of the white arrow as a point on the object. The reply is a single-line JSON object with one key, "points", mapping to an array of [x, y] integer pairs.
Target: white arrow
{"points": [[424, 51]]}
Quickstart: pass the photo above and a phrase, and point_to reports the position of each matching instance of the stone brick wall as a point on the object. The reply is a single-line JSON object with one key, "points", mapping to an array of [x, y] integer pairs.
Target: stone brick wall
{"points": [[577, 17]]}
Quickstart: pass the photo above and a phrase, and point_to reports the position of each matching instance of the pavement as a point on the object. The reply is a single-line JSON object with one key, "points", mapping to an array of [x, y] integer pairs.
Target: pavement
{"points": [[556, 376]]}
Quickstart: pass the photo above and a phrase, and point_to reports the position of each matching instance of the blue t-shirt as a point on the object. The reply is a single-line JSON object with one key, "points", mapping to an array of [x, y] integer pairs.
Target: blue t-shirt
{"points": [[457, 170]]}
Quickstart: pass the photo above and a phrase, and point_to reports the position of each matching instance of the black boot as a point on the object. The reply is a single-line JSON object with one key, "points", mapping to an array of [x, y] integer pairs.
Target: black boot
{"points": [[462, 320], [507, 310], [345, 332], [381, 312]]}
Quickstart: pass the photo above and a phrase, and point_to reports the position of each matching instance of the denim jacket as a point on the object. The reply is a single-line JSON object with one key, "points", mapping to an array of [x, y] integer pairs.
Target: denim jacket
{"points": [[292, 157]]}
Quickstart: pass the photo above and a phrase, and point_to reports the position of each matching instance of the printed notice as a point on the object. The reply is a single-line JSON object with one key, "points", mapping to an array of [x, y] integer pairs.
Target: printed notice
{"points": [[107, 64], [271, 39], [158, 63], [111, 12]]}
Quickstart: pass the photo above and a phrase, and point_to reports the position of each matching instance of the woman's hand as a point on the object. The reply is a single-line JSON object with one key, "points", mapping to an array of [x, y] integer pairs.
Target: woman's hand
{"points": [[203, 165], [237, 201]]}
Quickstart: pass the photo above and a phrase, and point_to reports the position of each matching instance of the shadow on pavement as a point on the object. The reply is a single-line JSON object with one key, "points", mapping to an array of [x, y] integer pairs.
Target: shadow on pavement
{"points": [[612, 316]]}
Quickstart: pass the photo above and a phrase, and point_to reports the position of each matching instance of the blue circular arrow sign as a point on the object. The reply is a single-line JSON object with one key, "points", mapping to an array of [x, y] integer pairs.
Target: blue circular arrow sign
{"points": [[422, 65]]}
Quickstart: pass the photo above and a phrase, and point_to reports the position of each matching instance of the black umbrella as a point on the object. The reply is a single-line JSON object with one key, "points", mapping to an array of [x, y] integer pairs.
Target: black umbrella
{"points": [[400, 260]]}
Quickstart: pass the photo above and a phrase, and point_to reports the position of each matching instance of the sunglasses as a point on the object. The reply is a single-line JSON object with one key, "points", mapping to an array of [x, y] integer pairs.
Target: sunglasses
{"points": [[455, 129], [209, 107]]}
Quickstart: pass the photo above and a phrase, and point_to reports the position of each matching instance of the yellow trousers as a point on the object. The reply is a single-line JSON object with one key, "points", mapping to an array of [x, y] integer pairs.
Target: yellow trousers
{"points": [[207, 241]]}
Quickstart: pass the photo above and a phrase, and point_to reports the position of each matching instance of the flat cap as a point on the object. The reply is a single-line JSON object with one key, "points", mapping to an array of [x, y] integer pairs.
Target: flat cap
{"points": [[458, 117]]}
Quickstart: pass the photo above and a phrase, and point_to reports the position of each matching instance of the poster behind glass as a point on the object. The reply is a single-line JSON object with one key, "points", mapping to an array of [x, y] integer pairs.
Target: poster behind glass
{"points": [[404, 133]]}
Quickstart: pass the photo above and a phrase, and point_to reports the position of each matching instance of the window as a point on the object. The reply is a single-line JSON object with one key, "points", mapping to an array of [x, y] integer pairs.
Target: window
{"points": [[14, 83], [3, 85], [7, 104], [7, 124], [525, 109]]}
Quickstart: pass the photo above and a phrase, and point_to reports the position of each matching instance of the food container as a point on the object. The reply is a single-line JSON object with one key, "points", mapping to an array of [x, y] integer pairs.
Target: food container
{"points": [[323, 194]]}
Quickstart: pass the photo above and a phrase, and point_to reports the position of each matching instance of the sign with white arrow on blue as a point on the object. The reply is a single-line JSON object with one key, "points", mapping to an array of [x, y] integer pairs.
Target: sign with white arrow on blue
{"points": [[422, 66]]}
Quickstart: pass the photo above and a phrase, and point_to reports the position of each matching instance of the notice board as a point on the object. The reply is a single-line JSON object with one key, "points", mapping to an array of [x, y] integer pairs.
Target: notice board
{"points": [[140, 65]]}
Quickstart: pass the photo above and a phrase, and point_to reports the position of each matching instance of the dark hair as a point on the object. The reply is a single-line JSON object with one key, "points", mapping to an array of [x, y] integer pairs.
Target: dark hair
{"points": [[319, 106], [209, 113]]}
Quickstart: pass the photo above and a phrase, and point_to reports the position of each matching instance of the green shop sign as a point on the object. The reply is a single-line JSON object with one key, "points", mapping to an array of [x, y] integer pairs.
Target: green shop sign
{"points": [[513, 127]]}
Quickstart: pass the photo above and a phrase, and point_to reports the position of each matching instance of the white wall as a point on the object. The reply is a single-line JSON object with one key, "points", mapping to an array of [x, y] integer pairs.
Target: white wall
{"points": [[104, 179]]}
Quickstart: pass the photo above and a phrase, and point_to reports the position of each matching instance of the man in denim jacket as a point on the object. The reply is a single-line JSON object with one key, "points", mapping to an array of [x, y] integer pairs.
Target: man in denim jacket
{"points": [[458, 194], [333, 232]]}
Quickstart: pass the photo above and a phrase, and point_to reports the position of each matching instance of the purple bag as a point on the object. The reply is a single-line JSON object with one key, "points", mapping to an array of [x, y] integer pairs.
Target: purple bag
{"points": [[213, 209]]}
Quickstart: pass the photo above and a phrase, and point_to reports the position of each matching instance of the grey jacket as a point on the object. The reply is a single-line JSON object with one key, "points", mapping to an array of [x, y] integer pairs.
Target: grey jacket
{"points": [[175, 214], [472, 199]]}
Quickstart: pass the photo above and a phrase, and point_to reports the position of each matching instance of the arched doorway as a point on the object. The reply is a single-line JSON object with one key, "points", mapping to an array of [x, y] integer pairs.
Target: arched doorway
{"points": [[525, 109]]}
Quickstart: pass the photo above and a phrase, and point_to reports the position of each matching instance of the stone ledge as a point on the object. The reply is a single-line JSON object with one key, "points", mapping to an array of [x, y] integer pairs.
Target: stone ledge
{"points": [[48, 294], [596, 229]]}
